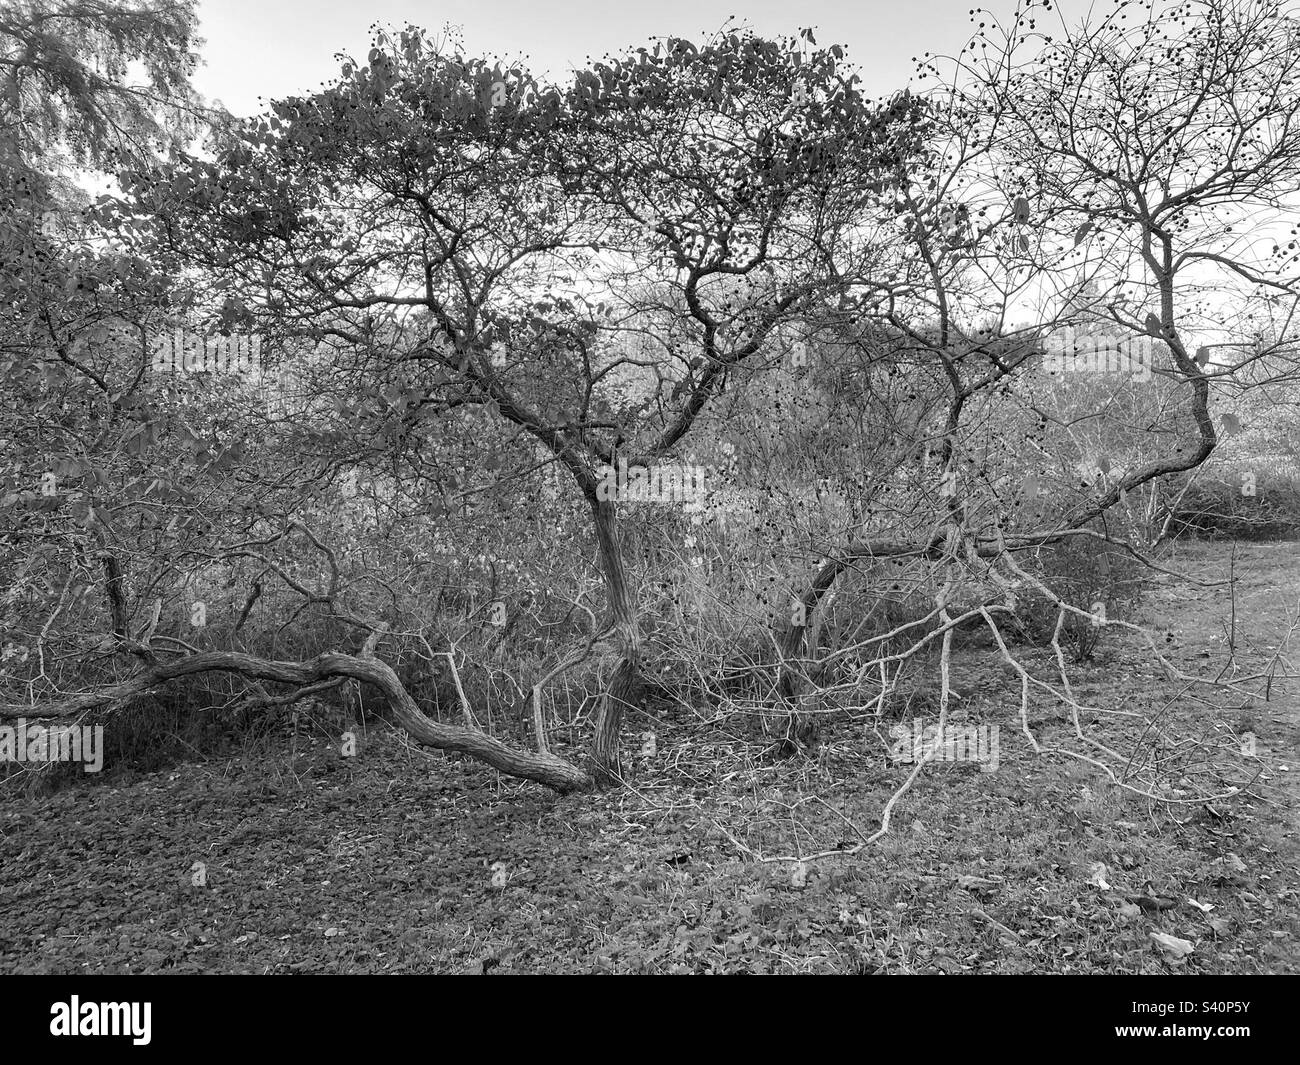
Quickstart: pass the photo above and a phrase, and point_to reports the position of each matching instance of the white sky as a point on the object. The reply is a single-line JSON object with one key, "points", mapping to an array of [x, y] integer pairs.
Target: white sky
{"points": [[273, 48]]}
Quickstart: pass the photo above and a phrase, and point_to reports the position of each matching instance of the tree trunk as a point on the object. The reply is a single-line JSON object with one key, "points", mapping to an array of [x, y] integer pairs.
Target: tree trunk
{"points": [[540, 766], [624, 690], [795, 728]]}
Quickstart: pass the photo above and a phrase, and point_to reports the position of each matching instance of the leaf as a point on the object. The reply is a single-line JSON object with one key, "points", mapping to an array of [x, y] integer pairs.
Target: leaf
{"points": [[1024, 243], [799, 875], [1097, 876], [1173, 947], [138, 442], [1202, 357], [1081, 234], [1020, 209], [1154, 903]]}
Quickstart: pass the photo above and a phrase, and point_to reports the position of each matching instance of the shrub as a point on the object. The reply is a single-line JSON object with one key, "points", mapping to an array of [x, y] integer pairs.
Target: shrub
{"points": [[1223, 507], [1086, 573]]}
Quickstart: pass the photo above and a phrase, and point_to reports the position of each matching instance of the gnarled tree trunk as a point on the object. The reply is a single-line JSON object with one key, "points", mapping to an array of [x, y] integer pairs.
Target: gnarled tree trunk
{"points": [[539, 766], [624, 690]]}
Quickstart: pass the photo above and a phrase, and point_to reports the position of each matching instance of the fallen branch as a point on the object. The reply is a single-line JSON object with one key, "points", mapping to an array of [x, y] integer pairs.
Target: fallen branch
{"points": [[541, 767]]}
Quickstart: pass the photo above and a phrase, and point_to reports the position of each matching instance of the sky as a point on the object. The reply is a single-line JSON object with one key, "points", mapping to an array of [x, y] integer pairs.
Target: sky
{"points": [[274, 48]]}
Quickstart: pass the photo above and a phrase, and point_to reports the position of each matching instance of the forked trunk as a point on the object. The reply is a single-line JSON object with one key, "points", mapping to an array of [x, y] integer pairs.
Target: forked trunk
{"points": [[796, 727]]}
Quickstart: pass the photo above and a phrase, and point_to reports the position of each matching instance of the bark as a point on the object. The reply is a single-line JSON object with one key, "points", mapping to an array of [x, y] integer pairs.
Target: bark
{"points": [[624, 690], [795, 727], [541, 767]]}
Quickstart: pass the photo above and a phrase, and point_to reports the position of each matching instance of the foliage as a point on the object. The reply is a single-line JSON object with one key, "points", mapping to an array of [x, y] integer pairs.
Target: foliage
{"points": [[1215, 505], [1101, 579]]}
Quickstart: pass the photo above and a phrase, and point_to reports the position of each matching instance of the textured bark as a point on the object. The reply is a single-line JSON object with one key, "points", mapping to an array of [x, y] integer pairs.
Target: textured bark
{"points": [[544, 768], [624, 690], [796, 728]]}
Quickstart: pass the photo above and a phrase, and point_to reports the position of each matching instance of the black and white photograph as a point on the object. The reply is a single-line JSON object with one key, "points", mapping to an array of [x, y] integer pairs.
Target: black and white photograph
{"points": [[521, 488]]}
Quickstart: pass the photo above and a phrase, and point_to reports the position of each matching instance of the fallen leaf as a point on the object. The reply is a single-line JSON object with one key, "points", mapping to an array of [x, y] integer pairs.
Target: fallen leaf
{"points": [[1172, 946], [1153, 903], [1097, 875]]}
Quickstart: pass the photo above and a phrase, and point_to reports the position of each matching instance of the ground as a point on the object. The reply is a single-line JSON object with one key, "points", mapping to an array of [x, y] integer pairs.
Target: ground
{"points": [[293, 858]]}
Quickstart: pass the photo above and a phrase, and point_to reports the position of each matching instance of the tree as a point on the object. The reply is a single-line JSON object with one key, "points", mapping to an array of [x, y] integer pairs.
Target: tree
{"points": [[68, 98], [462, 201], [1127, 154], [719, 256], [72, 360]]}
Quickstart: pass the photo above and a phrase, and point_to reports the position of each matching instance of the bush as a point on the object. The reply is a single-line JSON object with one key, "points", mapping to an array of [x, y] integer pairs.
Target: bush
{"points": [[1222, 507], [1086, 573]]}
